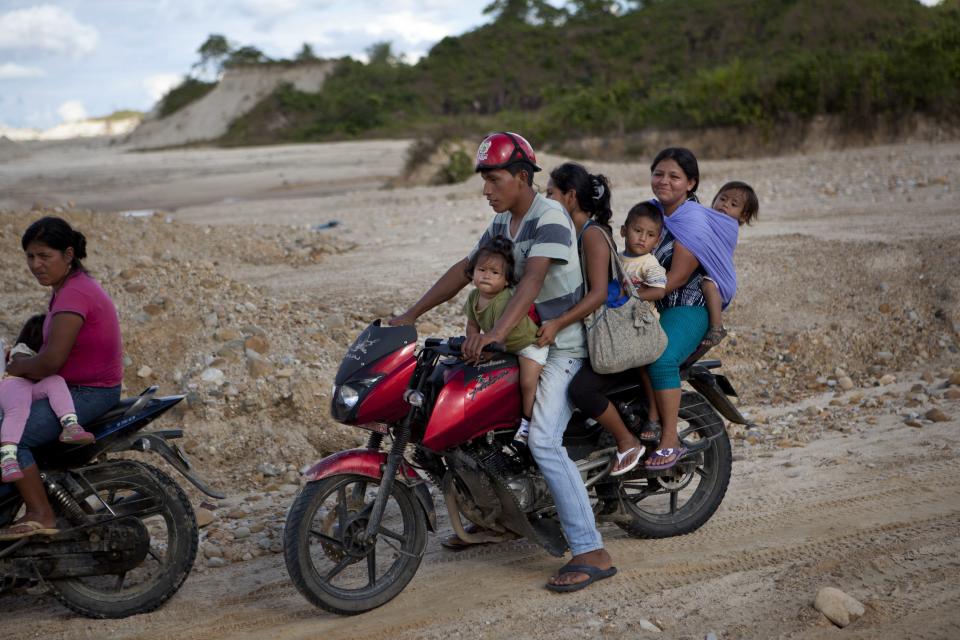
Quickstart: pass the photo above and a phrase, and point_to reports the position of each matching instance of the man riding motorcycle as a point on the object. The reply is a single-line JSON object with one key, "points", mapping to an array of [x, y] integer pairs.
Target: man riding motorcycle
{"points": [[549, 276]]}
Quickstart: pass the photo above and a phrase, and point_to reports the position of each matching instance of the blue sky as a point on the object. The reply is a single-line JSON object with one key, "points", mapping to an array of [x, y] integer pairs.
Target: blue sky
{"points": [[63, 60], [66, 59]]}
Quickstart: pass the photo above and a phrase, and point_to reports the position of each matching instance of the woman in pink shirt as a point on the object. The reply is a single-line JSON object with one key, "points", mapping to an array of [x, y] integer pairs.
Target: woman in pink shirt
{"points": [[81, 344]]}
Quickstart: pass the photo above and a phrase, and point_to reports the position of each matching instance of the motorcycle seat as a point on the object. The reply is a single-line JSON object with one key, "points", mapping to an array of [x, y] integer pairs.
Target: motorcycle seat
{"points": [[126, 406], [686, 372], [112, 414]]}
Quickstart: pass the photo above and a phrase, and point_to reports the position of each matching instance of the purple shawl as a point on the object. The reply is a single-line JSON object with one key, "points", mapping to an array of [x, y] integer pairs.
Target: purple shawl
{"points": [[711, 237]]}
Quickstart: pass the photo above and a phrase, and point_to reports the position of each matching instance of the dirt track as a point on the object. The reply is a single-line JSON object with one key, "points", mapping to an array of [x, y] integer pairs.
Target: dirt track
{"points": [[843, 495], [874, 513]]}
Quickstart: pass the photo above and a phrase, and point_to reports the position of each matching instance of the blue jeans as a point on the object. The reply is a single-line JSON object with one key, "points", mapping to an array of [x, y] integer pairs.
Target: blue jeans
{"points": [[44, 427], [551, 413]]}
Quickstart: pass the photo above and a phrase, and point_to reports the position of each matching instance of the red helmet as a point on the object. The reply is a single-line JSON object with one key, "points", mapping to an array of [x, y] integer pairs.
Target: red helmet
{"points": [[500, 150]]}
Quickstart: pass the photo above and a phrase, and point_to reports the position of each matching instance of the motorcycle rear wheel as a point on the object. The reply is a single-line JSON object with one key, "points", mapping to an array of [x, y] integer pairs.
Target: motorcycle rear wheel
{"points": [[680, 503], [172, 525], [325, 556]]}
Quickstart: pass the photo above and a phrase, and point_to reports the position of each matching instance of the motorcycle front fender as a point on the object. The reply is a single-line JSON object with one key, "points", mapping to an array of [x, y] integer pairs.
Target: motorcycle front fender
{"points": [[370, 463]]}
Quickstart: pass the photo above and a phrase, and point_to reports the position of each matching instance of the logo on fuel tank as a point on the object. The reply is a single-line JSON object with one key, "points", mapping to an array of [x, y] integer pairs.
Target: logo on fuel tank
{"points": [[487, 380]]}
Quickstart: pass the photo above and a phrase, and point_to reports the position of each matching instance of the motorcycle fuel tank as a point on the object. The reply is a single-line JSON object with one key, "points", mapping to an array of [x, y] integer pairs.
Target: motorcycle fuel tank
{"points": [[473, 401]]}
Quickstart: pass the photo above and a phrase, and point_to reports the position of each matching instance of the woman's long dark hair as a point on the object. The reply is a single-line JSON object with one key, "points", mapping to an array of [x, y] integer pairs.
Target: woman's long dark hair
{"points": [[688, 163], [593, 191], [57, 234]]}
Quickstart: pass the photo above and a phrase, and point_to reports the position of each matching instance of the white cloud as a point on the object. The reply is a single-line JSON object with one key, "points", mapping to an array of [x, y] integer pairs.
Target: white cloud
{"points": [[411, 27], [10, 71], [72, 111], [269, 8], [46, 28], [158, 85]]}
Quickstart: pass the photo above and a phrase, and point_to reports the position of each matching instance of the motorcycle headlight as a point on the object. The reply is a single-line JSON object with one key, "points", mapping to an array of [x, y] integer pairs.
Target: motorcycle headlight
{"points": [[348, 395]]}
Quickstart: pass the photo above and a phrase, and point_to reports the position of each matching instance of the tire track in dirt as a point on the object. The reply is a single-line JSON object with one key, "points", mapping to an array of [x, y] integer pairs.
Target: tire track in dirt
{"points": [[793, 513], [851, 547], [673, 570], [730, 519]]}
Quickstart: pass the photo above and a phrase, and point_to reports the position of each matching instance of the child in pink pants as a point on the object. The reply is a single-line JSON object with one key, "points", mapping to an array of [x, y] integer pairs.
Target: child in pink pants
{"points": [[18, 394]]}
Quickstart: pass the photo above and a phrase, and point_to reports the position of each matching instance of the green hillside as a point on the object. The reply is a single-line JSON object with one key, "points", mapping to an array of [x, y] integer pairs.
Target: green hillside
{"points": [[671, 63]]}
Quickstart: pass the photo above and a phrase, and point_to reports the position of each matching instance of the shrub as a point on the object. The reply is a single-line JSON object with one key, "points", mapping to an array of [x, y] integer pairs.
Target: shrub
{"points": [[188, 91]]}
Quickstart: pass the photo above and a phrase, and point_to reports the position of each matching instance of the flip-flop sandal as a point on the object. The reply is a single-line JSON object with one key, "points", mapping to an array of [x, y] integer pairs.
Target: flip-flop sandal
{"points": [[25, 530], [639, 449], [593, 573], [672, 455], [650, 432], [456, 543], [713, 337]]}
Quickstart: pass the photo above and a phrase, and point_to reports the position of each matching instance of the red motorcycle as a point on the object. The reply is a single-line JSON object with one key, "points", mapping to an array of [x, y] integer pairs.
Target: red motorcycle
{"points": [[356, 532]]}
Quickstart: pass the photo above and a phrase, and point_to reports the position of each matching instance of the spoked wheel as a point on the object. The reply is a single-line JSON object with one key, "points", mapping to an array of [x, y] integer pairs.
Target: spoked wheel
{"points": [[162, 509], [682, 500], [327, 556]]}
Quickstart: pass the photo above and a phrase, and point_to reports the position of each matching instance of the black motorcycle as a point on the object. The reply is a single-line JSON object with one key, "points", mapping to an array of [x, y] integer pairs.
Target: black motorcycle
{"points": [[128, 534]]}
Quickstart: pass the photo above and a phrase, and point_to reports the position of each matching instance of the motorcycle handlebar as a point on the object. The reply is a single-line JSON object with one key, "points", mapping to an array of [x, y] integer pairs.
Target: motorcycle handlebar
{"points": [[456, 345]]}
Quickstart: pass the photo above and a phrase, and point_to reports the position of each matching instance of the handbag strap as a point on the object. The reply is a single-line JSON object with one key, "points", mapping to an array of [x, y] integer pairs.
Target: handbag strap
{"points": [[616, 265]]}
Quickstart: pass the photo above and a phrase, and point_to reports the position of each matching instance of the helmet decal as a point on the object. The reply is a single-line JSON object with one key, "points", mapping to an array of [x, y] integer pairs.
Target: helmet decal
{"points": [[482, 151]]}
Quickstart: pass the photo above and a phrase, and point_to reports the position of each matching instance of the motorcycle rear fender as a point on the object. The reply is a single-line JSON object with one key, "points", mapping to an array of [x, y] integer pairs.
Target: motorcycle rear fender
{"points": [[716, 388], [370, 463], [156, 441]]}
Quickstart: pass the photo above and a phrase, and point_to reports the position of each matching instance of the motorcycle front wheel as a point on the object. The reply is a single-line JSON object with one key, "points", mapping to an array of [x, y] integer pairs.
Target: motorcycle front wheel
{"points": [[681, 501], [327, 557], [141, 491]]}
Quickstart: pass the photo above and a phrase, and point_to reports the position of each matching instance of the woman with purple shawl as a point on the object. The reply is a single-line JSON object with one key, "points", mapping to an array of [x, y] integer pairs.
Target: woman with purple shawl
{"points": [[696, 242]]}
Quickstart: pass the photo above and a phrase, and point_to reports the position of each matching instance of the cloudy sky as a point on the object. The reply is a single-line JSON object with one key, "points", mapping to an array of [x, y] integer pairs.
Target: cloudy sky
{"points": [[63, 60], [66, 59]]}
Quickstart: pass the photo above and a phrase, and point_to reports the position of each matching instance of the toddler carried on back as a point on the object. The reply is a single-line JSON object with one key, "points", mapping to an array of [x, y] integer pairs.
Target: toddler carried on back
{"points": [[739, 201], [17, 394]]}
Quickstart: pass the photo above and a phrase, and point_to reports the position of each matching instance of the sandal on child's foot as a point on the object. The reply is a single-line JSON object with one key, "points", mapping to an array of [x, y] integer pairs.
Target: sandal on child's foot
{"points": [[650, 432], [628, 460], [10, 470], [713, 337], [75, 434]]}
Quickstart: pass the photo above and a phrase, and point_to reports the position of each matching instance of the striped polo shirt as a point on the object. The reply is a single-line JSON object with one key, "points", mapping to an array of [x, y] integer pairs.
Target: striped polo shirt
{"points": [[547, 231]]}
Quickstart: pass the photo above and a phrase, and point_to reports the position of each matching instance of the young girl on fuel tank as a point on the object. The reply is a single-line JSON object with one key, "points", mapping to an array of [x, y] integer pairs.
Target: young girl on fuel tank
{"points": [[492, 272]]}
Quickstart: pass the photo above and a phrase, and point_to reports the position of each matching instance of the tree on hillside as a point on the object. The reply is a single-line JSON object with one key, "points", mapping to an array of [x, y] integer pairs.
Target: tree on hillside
{"points": [[595, 8], [531, 11], [306, 54], [245, 55], [381, 53], [213, 53]]}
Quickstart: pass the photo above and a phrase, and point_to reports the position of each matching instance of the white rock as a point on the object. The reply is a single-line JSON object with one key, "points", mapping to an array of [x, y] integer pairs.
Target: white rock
{"points": [[839, 607], [212, 375], [144, 372], [646, 625]]}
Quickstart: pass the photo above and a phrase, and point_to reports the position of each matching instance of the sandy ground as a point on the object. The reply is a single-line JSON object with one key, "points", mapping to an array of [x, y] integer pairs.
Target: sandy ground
{"points": [[849, 274]]}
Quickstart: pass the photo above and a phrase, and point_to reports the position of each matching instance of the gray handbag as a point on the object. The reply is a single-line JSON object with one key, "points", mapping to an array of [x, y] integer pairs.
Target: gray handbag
{"points": [[623, 337]]}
